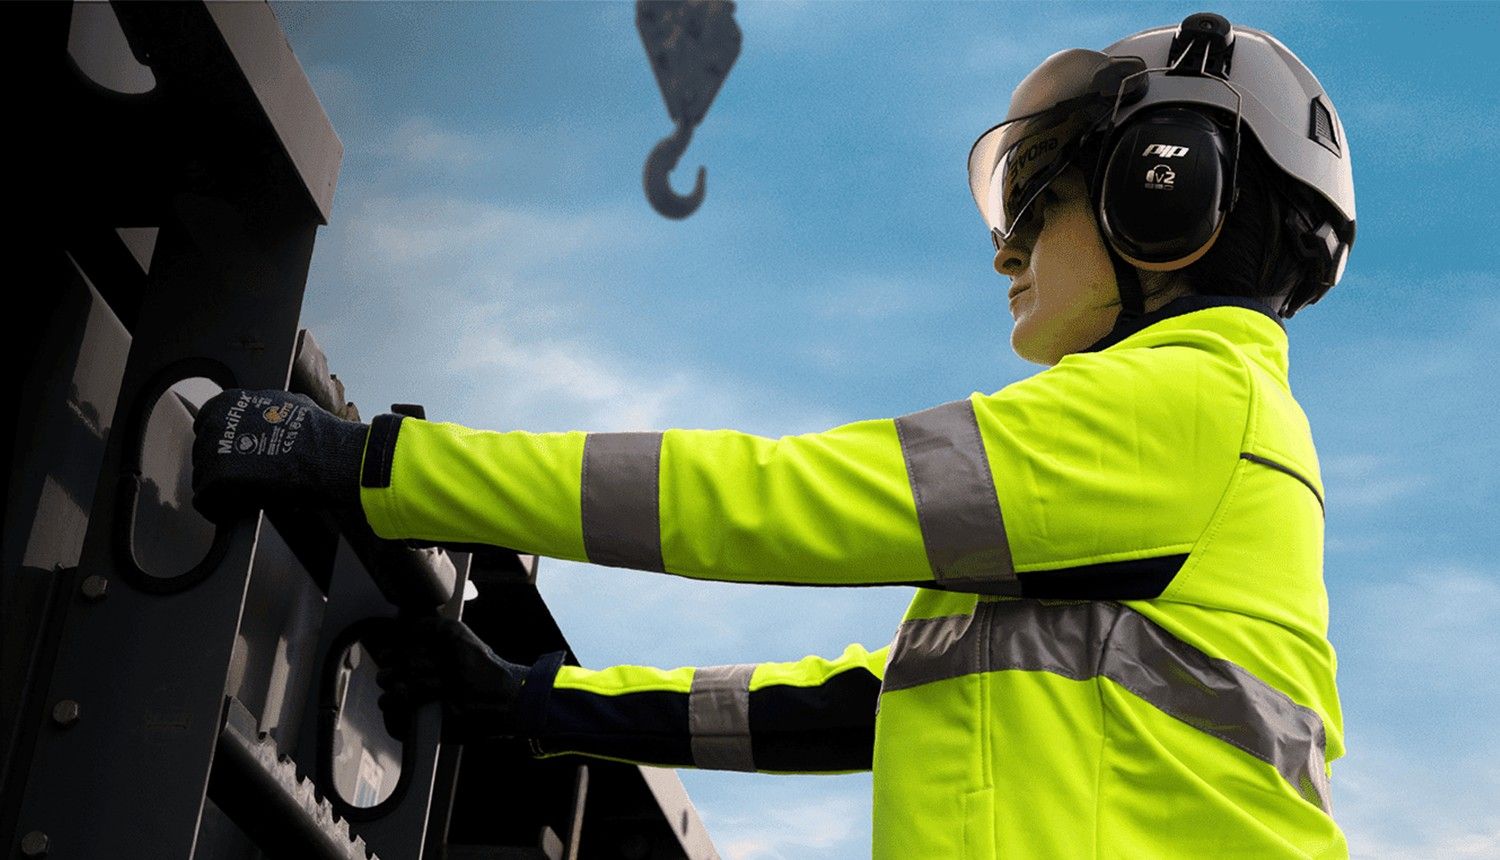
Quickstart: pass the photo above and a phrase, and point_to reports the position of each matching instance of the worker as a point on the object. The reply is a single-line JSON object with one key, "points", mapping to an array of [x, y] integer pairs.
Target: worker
{"points": [[1117, 644]]}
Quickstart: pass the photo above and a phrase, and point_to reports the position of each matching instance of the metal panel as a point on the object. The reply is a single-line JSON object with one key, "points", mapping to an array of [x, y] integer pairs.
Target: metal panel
{"points": [[239, 47], [218, 284], [399, 829], [193, 207]]}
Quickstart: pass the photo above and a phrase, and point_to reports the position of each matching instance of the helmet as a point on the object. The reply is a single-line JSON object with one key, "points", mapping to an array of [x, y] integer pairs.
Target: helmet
{"points": [[1155, 121]]}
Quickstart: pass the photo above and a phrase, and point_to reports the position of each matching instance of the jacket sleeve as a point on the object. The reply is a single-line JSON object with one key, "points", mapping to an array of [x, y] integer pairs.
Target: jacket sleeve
{"points": [[1107, 466], [813, 715]]}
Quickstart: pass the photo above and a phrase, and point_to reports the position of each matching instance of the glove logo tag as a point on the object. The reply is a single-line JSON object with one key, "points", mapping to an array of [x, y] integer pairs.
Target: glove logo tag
{"points": [[231, 424]]}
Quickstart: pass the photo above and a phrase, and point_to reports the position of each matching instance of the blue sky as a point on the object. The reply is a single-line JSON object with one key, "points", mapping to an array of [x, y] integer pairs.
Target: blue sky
{"points": [[491, 255]]}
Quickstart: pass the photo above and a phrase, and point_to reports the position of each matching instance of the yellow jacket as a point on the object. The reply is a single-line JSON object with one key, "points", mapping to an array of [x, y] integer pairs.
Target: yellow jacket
{"points": [[1117, 646]]}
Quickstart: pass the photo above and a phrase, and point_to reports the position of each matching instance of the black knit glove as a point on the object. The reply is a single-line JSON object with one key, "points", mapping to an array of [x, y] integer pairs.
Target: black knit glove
{"points": [[270, 448], [431, 658]]}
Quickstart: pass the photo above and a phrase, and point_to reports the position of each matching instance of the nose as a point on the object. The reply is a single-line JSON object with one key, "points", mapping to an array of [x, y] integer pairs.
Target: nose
{"points": [[1012, 256]]}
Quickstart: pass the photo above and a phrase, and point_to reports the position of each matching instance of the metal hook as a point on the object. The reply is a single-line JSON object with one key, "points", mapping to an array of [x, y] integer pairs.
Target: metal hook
{"points": [[661, 162]]}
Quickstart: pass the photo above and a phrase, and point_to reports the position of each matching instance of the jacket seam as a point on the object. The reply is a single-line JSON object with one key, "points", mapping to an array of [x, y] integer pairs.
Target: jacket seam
{"points": [[986, 743], [1273, 453], [643, 688], [1103, 731], [1143, 554], [1283, 468], [583, 493], [1099, 767], [987, 474], [916, 494], [1216, 519]]}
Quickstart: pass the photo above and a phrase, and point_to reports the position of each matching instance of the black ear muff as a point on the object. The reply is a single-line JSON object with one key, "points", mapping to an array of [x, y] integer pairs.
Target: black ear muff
{"points": [[1167, 188]]}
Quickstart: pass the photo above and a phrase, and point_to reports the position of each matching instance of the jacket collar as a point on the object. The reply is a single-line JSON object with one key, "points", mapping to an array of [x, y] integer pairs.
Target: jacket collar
{"points": [[1177, 307]]}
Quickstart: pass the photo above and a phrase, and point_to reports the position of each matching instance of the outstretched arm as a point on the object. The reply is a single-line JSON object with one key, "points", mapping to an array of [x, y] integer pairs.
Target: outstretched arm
{"points": [[813, 715], [1092, 479]]}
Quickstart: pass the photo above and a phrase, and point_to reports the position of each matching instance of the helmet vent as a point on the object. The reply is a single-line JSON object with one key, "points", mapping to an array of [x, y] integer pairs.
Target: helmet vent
{"points": [[1322, 127]]}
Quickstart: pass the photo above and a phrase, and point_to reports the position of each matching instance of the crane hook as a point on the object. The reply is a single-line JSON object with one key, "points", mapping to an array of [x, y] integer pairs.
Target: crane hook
{"points": [[661, 162]]}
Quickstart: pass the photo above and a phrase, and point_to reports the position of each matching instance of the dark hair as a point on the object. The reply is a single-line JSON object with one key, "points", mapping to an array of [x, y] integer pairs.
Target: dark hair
{"points": [[1255, 255]]}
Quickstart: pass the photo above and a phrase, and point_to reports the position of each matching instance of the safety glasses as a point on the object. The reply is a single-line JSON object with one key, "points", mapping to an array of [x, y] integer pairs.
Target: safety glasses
{"points": [[1034, 150], [1053, 112]]}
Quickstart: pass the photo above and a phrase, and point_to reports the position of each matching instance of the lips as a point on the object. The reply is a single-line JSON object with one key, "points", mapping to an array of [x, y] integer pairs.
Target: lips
{"points": [[1017, 289]]}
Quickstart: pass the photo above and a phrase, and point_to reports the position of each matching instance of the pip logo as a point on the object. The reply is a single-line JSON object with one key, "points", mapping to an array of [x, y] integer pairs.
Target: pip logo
{"points": [[1160, 178], [1165, 150]]}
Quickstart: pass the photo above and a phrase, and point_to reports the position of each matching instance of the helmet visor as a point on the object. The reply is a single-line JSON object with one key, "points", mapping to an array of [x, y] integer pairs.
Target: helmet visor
{"points": [[1054, 110]]}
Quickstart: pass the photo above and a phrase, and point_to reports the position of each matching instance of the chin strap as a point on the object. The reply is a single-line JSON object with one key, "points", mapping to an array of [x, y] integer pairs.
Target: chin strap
{"points": [[1132, 300]]}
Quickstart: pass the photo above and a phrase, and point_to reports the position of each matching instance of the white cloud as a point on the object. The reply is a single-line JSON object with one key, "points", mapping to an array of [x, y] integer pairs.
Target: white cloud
{"points": [[1396, 805], [871, 297], [595, 387], [534, 363], [447, 236], [1368, 480], [640, 618], [1338, 542], [1438, 625], [1021, 38], [341, 94], [790, 830], [1416, 665], [420, 141], [1429, 126], [493, 299]]}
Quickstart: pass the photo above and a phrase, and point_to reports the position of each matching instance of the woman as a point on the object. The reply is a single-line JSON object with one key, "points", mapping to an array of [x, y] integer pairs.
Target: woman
{"points": [[1118, 641]]}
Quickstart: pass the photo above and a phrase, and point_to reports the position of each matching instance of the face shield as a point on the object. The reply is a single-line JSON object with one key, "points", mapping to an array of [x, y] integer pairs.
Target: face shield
{"points": [[1070, 97]]}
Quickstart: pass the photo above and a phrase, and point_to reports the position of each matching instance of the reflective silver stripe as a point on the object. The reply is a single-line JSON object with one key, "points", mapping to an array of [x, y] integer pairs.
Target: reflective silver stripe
{"points": [[1089, 640], [620, 483], [957, 507], [719, 717]]}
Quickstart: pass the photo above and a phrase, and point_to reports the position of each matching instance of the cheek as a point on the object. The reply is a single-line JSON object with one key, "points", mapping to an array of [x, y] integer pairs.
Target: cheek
{"points": [[1070, 257]]}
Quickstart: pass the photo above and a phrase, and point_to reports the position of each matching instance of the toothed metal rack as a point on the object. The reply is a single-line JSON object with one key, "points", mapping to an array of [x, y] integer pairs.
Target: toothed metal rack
{"points": [[173, 690]]}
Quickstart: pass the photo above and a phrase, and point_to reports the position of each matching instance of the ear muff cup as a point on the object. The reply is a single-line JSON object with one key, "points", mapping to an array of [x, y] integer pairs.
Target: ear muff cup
{"points": [[1167, 188]]}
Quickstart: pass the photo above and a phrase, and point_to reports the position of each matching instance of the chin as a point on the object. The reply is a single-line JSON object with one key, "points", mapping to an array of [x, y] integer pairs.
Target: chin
{"points": [[1026, 350]]}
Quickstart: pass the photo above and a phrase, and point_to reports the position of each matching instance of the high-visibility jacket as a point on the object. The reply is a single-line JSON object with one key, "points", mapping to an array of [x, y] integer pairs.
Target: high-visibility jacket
{"points": [[1117, 646]]}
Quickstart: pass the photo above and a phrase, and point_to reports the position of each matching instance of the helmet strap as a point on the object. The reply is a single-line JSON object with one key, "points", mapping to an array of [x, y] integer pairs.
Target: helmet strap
{"points": [[1127, 281], [1132, 300]]}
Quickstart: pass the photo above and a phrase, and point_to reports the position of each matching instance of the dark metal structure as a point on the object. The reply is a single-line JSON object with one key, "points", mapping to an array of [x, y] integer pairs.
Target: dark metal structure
{"points": [[173, 690]]}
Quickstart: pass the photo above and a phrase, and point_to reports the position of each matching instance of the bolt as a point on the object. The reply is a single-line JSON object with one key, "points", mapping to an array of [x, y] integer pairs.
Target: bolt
{"points": [[66, 712], [95, 587], [34, 844]]}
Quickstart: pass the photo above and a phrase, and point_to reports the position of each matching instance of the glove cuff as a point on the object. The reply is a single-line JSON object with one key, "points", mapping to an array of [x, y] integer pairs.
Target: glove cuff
{"points": [[531, 707], [380, 450], [339, 467]]}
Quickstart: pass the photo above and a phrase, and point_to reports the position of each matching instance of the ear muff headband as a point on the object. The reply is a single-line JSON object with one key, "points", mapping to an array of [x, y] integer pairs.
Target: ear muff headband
{"points": [[1167, 188]]}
